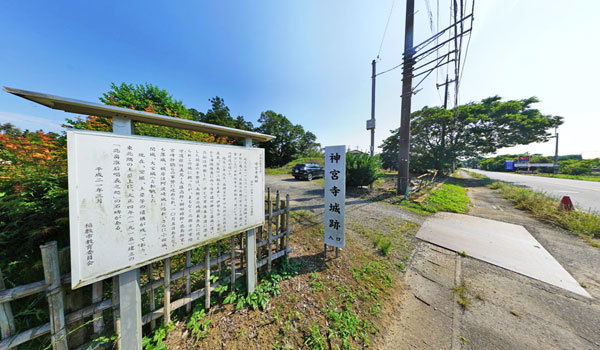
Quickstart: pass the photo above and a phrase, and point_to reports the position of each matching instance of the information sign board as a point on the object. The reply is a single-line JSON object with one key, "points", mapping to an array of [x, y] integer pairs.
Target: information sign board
{"points": [[335, 195], [134, 199]]}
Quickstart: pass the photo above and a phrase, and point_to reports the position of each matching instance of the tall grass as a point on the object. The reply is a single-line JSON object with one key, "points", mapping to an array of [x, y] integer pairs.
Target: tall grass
{"points": [[545, 208]]}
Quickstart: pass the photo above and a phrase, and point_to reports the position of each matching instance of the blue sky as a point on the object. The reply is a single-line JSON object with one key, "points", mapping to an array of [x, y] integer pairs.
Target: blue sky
{"points": [[309, 60]]}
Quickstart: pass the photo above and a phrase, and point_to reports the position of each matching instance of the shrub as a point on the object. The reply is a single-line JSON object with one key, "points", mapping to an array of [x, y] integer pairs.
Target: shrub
{"points": [[33, 199], [361, 169], [578, 167]]}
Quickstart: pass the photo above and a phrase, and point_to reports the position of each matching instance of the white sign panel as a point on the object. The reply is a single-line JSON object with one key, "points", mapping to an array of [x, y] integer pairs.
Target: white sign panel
{"points": [[335, 195], [134, 200]]}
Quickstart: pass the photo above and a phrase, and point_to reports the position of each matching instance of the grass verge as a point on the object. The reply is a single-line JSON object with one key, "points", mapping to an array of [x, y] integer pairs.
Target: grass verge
{"points": [[545, 208], [448, 197]]}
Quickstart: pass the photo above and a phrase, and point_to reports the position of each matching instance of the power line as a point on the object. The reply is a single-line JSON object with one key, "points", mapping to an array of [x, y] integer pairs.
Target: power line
{"points": [[468, 42], [430, 15], [386, 27], [391, 69]]}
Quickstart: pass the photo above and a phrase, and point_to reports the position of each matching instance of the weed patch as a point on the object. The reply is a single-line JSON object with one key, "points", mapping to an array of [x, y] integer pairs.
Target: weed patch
{"points": [[451, 198], [462, 296], [156, 342], [390, 237], [315, 340]]}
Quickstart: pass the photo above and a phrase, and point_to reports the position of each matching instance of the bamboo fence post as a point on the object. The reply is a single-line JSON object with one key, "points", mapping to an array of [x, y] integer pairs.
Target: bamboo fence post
{"points": [[242, 249], [151, 294], [269, 232], [232, 279], [207, 278], [115, 310], [167, 287], [55, 296], [287, 225], [218, 256], [7, 321], [277, 221], [260, 236], [188, 263], [282, 225], [97, 297]]}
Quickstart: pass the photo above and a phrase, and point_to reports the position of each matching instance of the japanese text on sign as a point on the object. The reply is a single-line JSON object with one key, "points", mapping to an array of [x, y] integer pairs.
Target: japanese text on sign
{"points": [[134, 200], [335, 195]]}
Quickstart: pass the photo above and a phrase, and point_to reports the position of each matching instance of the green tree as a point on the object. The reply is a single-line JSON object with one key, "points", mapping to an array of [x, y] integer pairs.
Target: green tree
{"points": [[291, 141], [148, 98], [440, 137], [219, 114], [10, 129]]}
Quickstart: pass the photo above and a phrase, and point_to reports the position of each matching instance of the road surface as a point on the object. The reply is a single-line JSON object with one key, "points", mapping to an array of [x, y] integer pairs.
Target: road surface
{"points": [[584, 194]]}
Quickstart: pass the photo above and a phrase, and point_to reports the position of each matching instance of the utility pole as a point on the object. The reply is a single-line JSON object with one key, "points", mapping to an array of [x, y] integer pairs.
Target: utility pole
{"points": [[407, 72], [556, 152], [371, 122]]}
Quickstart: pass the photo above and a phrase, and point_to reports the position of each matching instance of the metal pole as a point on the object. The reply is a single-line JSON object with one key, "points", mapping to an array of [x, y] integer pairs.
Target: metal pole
{"points": [[404, 142], [556, 152], [373, 76], [130, 306]]}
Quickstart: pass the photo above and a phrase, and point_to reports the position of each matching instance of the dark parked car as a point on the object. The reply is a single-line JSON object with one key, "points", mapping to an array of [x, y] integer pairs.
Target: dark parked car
{"points": [[307, 171]]}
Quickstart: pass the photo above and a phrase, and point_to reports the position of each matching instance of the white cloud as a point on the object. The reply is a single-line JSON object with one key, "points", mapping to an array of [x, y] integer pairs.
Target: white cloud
{"points": [[30, 122]]}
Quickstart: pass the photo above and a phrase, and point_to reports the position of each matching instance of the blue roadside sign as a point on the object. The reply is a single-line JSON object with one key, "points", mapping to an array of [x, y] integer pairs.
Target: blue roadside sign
{"points": [[510, 165]]}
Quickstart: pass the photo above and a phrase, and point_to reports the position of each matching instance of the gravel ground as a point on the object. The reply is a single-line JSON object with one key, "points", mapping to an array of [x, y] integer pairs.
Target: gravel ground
{"points": [[305, 195]]}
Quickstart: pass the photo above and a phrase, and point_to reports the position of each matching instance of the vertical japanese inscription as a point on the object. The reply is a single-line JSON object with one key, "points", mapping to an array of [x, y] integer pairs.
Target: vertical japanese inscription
{"points": [[335, 195], [136, 200]]}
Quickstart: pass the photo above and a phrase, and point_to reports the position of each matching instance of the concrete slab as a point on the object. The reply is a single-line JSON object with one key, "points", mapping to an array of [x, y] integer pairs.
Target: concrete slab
{"points": [[506, 245]]}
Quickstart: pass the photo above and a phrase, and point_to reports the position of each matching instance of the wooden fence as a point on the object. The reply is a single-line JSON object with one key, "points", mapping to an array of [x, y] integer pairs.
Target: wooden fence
{"points": [[272, 242]]}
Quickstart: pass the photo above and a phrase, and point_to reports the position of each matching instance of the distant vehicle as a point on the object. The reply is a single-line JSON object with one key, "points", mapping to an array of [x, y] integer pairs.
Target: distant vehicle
{"points": [[307, 171]]}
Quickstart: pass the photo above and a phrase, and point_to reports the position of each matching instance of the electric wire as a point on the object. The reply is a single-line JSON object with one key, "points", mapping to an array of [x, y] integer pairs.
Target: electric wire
{"points": [[386, 27], [468, 42]]}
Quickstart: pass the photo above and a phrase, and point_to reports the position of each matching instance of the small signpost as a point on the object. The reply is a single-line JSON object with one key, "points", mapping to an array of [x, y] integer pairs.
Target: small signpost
{"points": [[335, 196]]}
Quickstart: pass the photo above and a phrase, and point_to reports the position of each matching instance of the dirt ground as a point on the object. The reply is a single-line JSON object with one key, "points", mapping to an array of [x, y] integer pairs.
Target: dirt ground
{"points": [[354, 286], [500, 309]]}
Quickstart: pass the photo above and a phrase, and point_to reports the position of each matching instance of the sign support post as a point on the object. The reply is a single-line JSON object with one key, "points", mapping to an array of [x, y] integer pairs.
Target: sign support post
{"points": [[130, 299], [250, 248]]}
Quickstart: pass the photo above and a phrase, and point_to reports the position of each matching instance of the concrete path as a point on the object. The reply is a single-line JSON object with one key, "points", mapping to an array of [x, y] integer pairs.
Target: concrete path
{"points": [[584, 194], [505, 245], [502, 309]]}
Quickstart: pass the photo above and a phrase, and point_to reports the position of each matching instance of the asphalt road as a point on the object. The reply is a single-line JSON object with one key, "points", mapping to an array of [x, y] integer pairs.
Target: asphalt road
{"points": [[584, 194]]}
